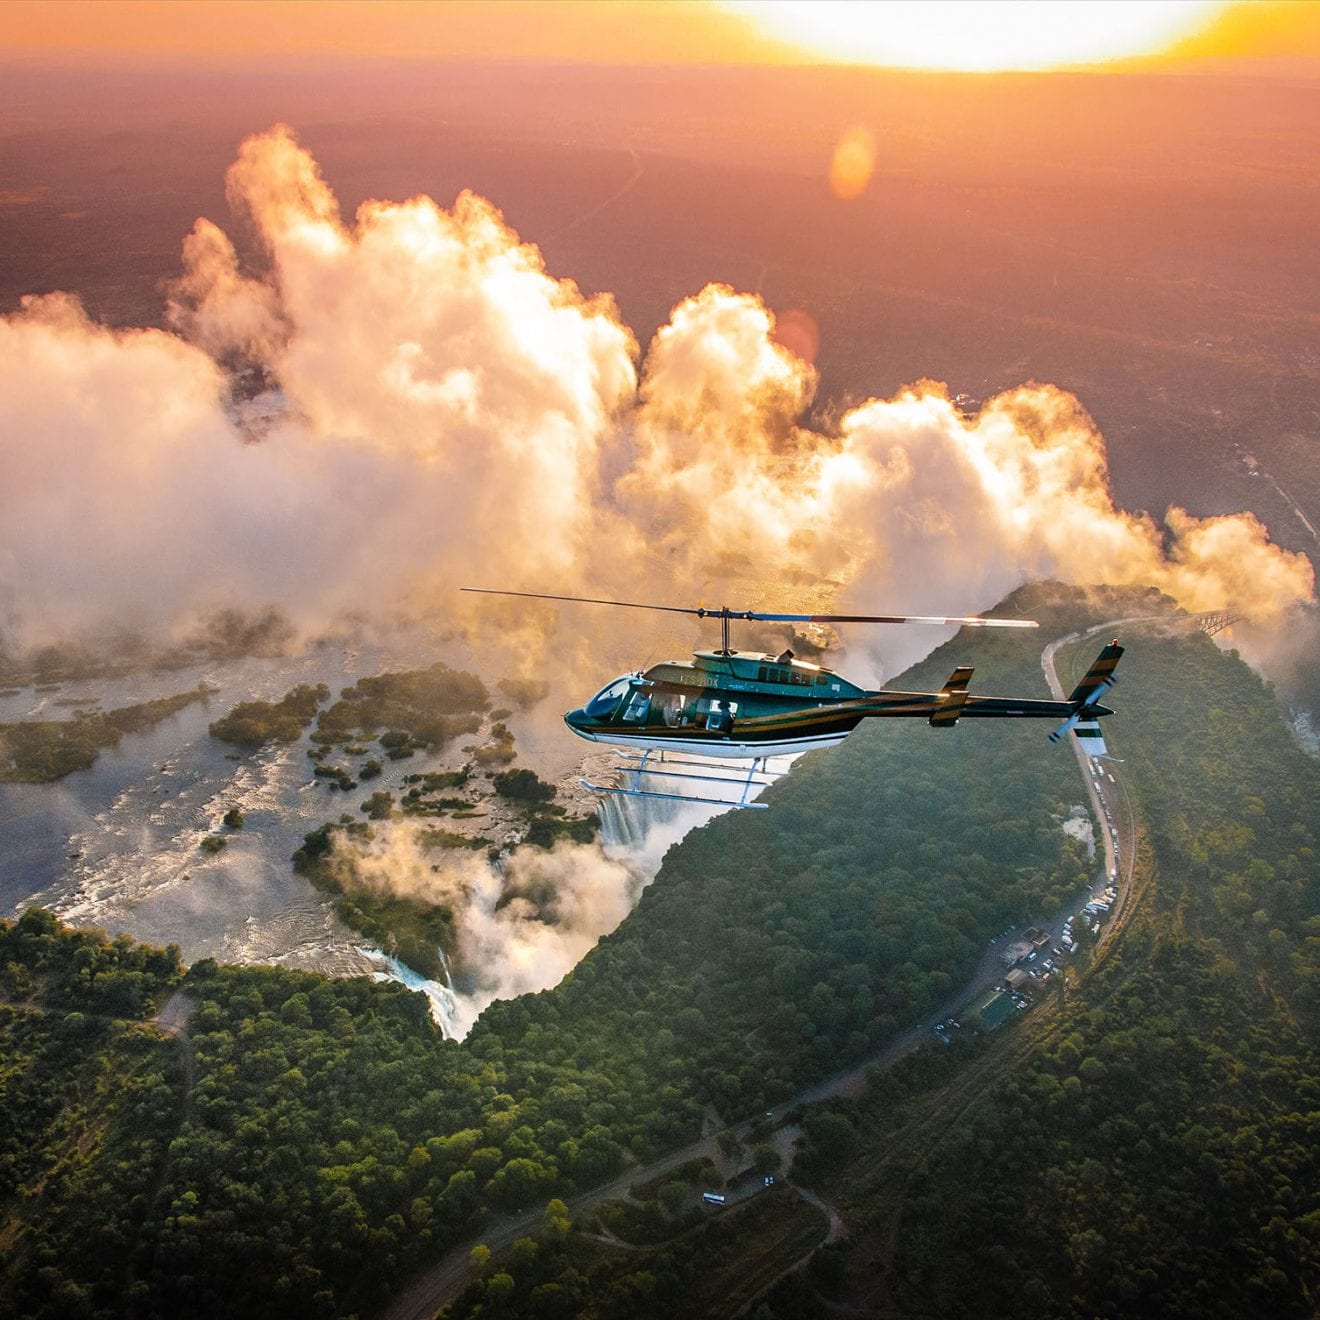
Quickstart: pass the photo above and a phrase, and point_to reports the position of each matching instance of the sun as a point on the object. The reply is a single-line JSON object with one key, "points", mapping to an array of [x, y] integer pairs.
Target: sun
{"points": [[978, 36]]}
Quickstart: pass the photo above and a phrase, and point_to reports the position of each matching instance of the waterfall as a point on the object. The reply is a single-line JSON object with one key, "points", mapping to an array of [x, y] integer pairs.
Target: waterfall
{"points": [[1304, 731], [640, 830], [443, 998], [625, 822], [629, 825]]}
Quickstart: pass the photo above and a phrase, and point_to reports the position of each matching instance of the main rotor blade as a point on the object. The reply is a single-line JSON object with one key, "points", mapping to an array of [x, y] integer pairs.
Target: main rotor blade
{"points": [[704, 612], [588, 600], [972, 621]]}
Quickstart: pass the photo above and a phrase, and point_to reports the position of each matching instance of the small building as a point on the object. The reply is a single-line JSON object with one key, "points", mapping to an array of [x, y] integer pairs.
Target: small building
{"points": [[1015, 953], [1037, 938], [1018, 978]]}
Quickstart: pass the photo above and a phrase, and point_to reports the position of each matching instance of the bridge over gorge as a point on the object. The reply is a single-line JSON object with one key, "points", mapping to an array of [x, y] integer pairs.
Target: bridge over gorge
{"points": [[1215, 621]]}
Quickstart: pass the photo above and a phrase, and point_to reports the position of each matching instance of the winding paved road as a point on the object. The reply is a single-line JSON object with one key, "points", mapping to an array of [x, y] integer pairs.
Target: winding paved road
{"points": [[1120, 828]]}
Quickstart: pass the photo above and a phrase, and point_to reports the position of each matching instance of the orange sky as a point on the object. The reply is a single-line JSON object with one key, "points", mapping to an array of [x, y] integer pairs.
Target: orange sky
{"points": [[624, 31], [617, 31]]}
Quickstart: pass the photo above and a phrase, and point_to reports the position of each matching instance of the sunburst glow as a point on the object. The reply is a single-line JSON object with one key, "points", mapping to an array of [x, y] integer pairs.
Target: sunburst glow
{"points": [[978, 35]]}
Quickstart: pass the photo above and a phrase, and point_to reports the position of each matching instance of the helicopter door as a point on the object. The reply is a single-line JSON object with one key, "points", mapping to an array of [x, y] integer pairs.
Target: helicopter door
{"points": [[638, 707]]}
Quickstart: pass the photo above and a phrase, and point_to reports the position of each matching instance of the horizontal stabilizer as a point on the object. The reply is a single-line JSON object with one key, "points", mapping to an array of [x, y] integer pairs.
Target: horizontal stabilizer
{"points": [[1092, 740], [953, 697], [958, 680]]}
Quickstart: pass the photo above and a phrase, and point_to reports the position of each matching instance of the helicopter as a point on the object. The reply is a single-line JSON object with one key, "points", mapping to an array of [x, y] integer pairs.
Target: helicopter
{"points": [[729, 704]]}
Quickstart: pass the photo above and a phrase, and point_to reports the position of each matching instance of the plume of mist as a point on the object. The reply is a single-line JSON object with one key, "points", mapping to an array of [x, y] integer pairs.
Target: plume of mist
{"points": [[233, 318], [437, 408], [129, 497], [433, 336], [520, 926]]}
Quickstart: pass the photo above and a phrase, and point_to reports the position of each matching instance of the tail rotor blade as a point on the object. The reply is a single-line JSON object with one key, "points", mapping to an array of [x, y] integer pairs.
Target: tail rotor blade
{"points": [[1064, 728]]}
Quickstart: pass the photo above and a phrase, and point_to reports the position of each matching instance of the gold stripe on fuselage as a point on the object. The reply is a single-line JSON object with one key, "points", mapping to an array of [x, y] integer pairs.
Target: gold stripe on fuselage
{"points": [[920, 705]]}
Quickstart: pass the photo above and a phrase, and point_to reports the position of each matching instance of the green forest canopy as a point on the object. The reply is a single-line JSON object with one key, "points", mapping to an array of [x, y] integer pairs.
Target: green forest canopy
{"points": [[330, 1139]]}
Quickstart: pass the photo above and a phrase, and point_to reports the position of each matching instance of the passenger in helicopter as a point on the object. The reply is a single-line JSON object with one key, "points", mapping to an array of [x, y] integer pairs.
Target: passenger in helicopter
{"points": [[720, 719]]}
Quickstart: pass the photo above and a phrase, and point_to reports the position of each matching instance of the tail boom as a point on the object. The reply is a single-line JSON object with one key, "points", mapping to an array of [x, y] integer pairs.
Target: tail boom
{"points": [[1080, 714]]}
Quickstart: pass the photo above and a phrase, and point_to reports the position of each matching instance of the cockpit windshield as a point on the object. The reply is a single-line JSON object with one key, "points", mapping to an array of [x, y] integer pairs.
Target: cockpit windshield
{"points": [[602, 705]]}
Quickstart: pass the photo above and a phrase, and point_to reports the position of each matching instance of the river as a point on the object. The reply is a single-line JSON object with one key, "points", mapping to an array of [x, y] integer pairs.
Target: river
{"points": [[118, 846]]}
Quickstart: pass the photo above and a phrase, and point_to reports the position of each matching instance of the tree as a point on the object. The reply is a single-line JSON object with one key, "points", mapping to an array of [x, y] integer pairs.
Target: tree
{"points": [[830, 1133], [499, 1289], [379, 806], [556, 1220], [523, 786]]}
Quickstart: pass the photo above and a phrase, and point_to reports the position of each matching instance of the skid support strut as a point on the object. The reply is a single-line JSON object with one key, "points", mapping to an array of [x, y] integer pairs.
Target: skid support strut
{"points": [[748, 779]]}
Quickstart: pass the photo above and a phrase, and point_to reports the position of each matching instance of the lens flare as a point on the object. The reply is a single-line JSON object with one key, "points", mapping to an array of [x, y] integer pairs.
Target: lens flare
{"points": [[850, 169]]}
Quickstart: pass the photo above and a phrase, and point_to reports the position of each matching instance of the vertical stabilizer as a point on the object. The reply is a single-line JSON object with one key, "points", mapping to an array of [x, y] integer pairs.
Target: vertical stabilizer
{"points": [[1092, 740], [1099, 678]]}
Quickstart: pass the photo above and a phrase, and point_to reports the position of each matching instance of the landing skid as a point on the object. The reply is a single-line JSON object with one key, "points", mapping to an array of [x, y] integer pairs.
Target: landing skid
{"points": [[757, 775]]}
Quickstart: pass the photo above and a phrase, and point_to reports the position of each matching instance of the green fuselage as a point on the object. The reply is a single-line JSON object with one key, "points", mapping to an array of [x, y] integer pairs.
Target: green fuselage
{"points": [[734, 704]]}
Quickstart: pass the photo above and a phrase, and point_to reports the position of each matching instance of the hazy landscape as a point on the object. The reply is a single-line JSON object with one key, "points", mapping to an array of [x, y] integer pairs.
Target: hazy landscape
{"points": [[1060, 358]]}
